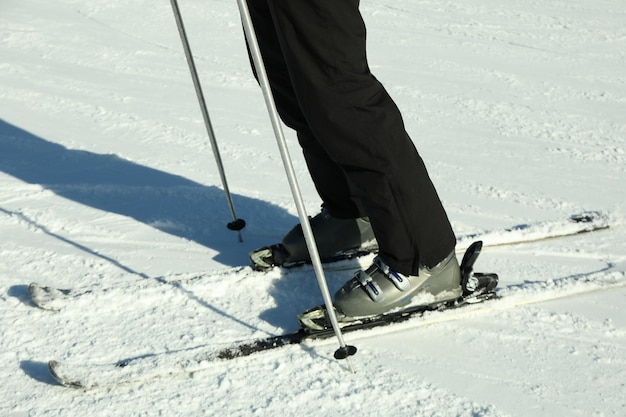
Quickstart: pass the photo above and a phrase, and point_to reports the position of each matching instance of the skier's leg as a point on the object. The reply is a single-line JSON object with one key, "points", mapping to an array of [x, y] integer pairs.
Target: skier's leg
{"points": [[339, 229], [361, 129], [328, 177]]}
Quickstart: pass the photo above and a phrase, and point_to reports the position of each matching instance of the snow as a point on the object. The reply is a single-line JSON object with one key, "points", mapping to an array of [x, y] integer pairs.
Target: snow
{"points": [[108, 183]]}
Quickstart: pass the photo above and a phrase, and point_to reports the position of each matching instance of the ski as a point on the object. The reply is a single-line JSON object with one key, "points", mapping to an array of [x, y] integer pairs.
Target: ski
{"points": [[188, 361], [56, 299], [584, 222], [50, 298], [313, 325], [89, 376], [271, 256]]}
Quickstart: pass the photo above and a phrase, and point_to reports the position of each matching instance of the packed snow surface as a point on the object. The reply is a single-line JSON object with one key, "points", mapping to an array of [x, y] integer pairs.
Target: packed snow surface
{"points": [[108, 183]]}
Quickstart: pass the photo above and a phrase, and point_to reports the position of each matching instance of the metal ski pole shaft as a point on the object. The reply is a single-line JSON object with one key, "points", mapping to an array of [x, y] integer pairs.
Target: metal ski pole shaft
{"points": [[237, 224], [344, 350]]}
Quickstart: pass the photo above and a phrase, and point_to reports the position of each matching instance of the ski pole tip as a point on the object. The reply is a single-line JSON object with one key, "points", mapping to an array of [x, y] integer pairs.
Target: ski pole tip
{"points": [[236, 224], [345, 352]]}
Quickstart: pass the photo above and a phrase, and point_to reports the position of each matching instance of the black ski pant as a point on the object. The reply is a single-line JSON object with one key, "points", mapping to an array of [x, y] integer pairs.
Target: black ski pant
{"points": [[359, 155]]}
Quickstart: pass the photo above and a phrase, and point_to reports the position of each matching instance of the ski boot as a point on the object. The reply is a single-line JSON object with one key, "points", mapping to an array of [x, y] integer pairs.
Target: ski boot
{"points": [[336, 239], [379, 289], [380, 295]]}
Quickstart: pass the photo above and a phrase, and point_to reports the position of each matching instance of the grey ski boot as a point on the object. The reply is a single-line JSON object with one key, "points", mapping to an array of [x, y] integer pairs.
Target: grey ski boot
{"points": [[336, 239], [379, 289]]}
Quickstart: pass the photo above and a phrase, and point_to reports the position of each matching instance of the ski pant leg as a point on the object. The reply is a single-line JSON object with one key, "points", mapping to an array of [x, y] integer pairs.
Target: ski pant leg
{"points": [[328, 177], [360, 128]]}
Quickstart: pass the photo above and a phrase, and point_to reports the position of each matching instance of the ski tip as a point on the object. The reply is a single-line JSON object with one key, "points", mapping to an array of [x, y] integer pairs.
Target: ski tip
{"points": [[33, 287], [53, 368], [36, 292], [43, 297], [585, 217], [598, 217]]}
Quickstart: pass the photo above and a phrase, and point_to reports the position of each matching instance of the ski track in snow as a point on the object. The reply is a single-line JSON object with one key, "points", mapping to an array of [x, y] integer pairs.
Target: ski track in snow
{"points": [[107, 183]]}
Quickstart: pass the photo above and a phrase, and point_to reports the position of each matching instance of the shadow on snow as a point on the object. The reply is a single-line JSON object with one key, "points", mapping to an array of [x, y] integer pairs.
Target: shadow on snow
{"points": [[167, 202]]}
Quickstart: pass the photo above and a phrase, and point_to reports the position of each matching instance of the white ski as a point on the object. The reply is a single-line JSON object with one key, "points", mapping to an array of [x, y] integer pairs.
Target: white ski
{"points": [[146, 367]]}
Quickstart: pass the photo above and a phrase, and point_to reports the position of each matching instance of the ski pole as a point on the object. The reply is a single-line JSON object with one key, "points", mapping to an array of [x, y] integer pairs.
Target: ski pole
{"points": [[237, 224], [344, 350]]}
